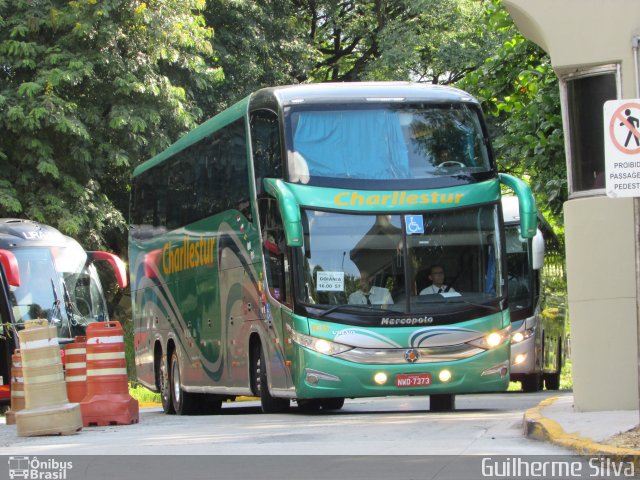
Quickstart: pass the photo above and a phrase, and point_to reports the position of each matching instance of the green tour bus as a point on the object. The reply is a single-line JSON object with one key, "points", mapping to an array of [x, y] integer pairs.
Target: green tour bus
{"points": [[321, 242], [535, 267]]}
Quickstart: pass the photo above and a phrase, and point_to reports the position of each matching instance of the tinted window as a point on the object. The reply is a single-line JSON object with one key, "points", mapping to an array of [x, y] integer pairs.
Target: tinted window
{"points": [[585, 98], [206, 178], [265, 142]]}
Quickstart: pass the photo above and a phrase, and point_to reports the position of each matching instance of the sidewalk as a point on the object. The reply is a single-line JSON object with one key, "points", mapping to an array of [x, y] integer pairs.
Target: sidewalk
{"points": [[555, 420]]}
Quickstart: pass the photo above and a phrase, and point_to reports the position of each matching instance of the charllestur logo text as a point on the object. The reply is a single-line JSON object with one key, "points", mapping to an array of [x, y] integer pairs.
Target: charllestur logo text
{"points": [[345, 199]]}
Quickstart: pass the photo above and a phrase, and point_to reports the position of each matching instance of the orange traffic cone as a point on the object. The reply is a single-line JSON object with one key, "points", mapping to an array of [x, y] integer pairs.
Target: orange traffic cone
{"points": [[76, 369], [107, 401], [17, 388]]}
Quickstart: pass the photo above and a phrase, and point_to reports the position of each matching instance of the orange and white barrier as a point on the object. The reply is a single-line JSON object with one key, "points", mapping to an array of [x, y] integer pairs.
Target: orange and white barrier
{"points": [[47, 409], [17, 388], [76, 369], [107, 401]]}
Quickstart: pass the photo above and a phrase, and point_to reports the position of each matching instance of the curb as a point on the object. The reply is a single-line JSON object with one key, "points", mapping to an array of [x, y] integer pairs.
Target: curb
{"points": [[539, 427], [158, 404]]}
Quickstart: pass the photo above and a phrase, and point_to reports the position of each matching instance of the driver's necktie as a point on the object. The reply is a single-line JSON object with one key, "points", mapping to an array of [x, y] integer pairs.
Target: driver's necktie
{"points": [[366, 295]]}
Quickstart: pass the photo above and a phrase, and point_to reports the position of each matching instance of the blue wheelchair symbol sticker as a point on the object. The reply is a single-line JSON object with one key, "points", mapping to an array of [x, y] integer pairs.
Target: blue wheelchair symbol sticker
{"points": [[414, 224]]}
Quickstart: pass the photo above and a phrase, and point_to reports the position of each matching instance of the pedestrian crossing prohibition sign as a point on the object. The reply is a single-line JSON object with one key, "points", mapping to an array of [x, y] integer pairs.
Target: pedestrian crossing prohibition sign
{"points": [[622, 148]]}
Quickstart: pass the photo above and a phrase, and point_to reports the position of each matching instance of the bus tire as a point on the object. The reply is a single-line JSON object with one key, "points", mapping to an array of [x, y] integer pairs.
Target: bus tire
{"points": [[332, 403], [209, 404], [269, 404], [184, 403], [552, 380], [165, 386], [442, 402], [309, 405], [531, 383]]}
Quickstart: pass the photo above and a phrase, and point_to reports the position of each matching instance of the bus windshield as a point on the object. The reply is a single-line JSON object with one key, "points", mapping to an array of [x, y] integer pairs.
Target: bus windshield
{"points": [[518, 273], [56, 284], [432, 263], [378, 142]]}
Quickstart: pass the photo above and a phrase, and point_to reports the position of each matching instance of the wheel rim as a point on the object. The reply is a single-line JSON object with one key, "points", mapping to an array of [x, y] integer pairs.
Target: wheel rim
{"points": [[163, 379], [258, 375], [175, 374]]}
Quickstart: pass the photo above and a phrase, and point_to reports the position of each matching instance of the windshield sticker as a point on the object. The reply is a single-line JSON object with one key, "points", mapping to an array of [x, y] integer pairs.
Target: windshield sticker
{"points": [[414, 224], [450, 294], [330, 281]]}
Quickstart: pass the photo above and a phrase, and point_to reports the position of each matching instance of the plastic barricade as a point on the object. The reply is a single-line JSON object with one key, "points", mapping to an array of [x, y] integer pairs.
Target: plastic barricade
{"points": [[76, 369], [47, 410], [17, 388], [107, 401]]}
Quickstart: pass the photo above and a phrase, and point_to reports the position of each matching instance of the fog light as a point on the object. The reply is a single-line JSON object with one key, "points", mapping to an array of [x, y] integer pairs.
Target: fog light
{"points": [[519, 358], [444, 375], [517, 337], [380, 378]]}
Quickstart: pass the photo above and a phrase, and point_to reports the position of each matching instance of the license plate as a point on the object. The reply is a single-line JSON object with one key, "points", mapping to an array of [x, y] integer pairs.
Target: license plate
{"points": [[413, 380]]}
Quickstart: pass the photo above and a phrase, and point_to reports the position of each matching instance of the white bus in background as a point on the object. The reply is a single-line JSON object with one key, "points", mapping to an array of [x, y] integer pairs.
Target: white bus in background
{"points": [[538, 338]]}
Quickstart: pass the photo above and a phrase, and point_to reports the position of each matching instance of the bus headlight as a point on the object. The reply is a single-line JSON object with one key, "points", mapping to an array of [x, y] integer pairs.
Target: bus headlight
{"points": [[519, 336], [493, 339], [319, 345]]}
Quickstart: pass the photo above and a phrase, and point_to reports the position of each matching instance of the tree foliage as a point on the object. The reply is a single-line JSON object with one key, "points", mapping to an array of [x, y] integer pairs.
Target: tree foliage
{"points": [[263, 43], [519, 90], [88, 89], [260, 44], [433, 41]]}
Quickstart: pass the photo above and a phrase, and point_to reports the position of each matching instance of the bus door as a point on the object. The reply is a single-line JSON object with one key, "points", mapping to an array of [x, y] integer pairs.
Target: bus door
{"points": [[279, 294], [233, 282]]}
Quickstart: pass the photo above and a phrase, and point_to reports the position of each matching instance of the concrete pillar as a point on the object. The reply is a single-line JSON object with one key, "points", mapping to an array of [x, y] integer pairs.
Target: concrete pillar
{"points": [[600, 238]]}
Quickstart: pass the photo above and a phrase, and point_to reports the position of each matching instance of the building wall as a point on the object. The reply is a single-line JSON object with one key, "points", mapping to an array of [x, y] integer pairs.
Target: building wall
{"points": [[600, 238], [602, 302]]}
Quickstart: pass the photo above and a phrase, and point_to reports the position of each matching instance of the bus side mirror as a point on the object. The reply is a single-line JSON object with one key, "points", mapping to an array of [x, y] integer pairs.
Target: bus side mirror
{"points": [[289, 210], [528, 209], [11, 269], [119, 268], [537, 251]]}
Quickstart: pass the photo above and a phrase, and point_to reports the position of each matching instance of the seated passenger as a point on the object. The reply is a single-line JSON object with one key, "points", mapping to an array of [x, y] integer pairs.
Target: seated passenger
{"points": [[370, 295], [436, 275]]}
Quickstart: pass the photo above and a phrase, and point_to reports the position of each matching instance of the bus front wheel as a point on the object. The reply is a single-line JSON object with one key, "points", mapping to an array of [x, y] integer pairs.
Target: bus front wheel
{"points": [[184, 403], [532, 382], [552, 380], [442, 402], [261, 385], [332, 403]]}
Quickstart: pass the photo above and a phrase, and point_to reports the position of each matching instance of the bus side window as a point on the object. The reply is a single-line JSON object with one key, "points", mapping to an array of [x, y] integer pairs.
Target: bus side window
{"points": [[265, 142], [275, 252]]}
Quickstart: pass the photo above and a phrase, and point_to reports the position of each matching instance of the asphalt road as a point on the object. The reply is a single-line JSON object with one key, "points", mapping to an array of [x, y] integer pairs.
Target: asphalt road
{"points": [[489, 424]]}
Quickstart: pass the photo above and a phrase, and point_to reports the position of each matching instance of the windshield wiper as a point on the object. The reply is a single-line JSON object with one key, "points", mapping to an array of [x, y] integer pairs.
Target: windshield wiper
{"points": [[473, 304], [371, 308]]}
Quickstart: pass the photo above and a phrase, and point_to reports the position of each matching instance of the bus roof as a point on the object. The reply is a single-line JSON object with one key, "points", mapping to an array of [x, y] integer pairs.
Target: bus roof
{"points": [[314, 93], [363, 92], [16, 233]]}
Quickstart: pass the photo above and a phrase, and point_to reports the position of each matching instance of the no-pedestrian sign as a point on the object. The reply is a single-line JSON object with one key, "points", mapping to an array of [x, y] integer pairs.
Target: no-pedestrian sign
{"points": [[622, 147]]}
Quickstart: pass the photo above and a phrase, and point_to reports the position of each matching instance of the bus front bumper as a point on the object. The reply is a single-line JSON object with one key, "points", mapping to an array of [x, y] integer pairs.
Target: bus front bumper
{"points": [[321, 376]]}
